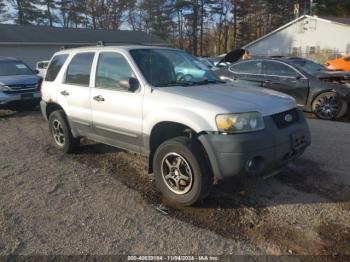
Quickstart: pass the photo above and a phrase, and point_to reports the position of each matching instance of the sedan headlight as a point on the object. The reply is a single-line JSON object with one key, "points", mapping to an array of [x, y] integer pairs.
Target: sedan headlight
{"points": [[4, 88], [240, 123]]}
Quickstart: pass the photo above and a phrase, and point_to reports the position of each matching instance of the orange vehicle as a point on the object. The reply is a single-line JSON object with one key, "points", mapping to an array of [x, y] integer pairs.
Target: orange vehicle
{"points": [[342, 63]]}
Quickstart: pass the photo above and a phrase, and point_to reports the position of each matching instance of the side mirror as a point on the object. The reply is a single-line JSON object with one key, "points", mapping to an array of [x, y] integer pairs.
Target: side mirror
{"points": [[134, 84], [36, 71]]}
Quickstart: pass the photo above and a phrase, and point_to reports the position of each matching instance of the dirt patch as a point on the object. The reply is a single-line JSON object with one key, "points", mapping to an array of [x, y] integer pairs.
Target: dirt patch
{"points": [[232, 210], [6, 113], [330, 233]]}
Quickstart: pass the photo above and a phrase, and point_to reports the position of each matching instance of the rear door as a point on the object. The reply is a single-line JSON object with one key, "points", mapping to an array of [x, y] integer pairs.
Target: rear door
{"points": [[74, 92], [247, 73], [284, 78], [116, 110]]}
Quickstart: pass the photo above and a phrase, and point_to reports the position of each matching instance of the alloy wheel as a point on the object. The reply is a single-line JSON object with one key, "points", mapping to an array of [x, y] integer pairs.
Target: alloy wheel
{"points": [[177, 173], [58, 132]]}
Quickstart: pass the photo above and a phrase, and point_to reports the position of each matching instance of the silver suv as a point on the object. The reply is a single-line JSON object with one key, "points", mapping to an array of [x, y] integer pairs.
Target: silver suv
{"points": [[166, 104]]}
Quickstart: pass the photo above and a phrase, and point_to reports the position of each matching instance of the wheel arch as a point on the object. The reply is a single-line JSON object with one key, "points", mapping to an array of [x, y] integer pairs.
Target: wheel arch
{"points": [[165, 130]]}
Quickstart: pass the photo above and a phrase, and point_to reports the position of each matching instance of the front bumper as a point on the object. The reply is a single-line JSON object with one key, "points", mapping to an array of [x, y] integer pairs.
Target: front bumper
{"points": [[13, 97], [257, 152]]}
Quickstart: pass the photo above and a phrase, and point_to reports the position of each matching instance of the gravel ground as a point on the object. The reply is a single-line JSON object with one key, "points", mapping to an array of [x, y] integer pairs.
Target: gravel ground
{"points": [[53, 204], [101, 200]]}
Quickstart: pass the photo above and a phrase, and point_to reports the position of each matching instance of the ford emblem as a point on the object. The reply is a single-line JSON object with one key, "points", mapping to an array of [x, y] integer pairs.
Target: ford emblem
{"points": [[288, 118]]}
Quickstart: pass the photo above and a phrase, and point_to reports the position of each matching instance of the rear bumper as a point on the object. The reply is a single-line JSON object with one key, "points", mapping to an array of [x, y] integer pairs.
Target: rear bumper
{"points": [[258, 152], [8, 98]]}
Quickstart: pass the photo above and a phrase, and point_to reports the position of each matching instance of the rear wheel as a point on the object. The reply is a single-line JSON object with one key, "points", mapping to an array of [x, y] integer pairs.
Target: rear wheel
{"points": [[329, 106], [60, 132], [181, 171]]}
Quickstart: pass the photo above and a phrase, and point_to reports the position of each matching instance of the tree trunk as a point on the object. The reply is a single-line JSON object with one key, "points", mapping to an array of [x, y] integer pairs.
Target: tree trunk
{"points": [[20, 12], [234, 25], [194, 28]]}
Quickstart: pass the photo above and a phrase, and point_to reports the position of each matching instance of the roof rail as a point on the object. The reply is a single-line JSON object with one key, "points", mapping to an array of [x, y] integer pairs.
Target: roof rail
{"points": [[100, 43]]}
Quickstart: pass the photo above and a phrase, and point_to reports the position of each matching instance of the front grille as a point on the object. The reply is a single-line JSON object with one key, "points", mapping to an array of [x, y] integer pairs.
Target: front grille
{"points": [[21, 89], [285, 119]]}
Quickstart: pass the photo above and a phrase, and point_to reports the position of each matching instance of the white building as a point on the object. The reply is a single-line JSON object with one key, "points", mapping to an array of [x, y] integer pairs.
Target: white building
{"points": [[306, 36]]}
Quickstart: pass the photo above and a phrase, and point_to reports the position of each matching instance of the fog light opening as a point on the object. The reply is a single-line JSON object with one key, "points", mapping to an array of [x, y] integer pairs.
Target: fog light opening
{"points": [[256, 164]]}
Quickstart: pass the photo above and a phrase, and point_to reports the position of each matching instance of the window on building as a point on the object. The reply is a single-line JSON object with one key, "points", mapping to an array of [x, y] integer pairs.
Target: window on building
{"points": [[79, 69], [312, 50]]}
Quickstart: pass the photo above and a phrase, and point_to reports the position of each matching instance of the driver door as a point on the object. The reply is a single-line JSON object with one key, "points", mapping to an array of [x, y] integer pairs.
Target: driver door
{"points": [[116, 110]]}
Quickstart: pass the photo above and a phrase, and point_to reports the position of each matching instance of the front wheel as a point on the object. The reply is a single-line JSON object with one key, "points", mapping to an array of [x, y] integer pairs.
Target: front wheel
{"points": [[60, 132], [329, 106], [181, 171]]}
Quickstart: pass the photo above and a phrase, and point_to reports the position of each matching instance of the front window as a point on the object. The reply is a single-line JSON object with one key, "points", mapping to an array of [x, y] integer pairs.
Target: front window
{"points": [[167, 67], [278, 69], [113, 72], [11, 68], [308, 66]]}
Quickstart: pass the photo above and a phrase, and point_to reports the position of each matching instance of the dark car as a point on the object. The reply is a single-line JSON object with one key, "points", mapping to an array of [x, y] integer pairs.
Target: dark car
{"points": [[18, 82], [315, 89]]}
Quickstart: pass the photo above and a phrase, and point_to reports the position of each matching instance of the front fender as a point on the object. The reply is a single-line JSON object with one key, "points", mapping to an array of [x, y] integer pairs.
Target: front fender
{"points": [[177, 115]]}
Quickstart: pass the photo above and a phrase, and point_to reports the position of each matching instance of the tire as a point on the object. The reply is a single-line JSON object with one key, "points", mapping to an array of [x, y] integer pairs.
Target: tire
{"points": [[329, 106], [193, 175], [61, 133]]}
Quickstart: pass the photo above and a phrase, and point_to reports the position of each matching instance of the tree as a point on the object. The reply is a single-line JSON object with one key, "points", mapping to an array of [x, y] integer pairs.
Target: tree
{"points": [[49, 13], [4, 15], [28, 12], [339, 8]]}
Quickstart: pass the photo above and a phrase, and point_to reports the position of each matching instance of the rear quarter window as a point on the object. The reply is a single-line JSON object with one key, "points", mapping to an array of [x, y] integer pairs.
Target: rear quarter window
{"points": [[55, 67]]}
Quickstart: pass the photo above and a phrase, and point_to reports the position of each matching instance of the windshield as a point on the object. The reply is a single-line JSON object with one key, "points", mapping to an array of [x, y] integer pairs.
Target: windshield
{"points": [[308, 66], [10, 68], [166, 67]]}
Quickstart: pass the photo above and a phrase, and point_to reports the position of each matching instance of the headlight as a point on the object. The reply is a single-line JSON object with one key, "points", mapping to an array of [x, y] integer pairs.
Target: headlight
{"points": [[240, 123], [4, 88]]}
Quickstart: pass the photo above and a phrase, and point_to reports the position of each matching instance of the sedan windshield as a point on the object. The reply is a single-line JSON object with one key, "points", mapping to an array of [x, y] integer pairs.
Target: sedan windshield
{"points": [[167, 67], [308, 66], [10, 68]]}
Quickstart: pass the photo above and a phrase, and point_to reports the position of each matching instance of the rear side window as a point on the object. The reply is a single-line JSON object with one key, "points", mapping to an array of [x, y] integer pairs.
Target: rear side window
{"points": [[79, 69], [279, 69], [251, 67], [55, 67]]}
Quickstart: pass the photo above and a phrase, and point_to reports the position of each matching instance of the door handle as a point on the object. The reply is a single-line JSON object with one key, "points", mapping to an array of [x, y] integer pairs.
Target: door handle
{"points": [[266, 82], [99, 98], [65, 93]]}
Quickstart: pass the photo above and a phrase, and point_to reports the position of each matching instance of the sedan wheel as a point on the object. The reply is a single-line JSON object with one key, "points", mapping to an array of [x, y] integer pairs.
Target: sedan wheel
{"points": [[329, 106]]}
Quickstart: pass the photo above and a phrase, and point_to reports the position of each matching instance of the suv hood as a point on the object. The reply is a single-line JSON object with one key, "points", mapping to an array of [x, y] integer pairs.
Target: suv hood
{"points": [[19, 80], [233, 99]]}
